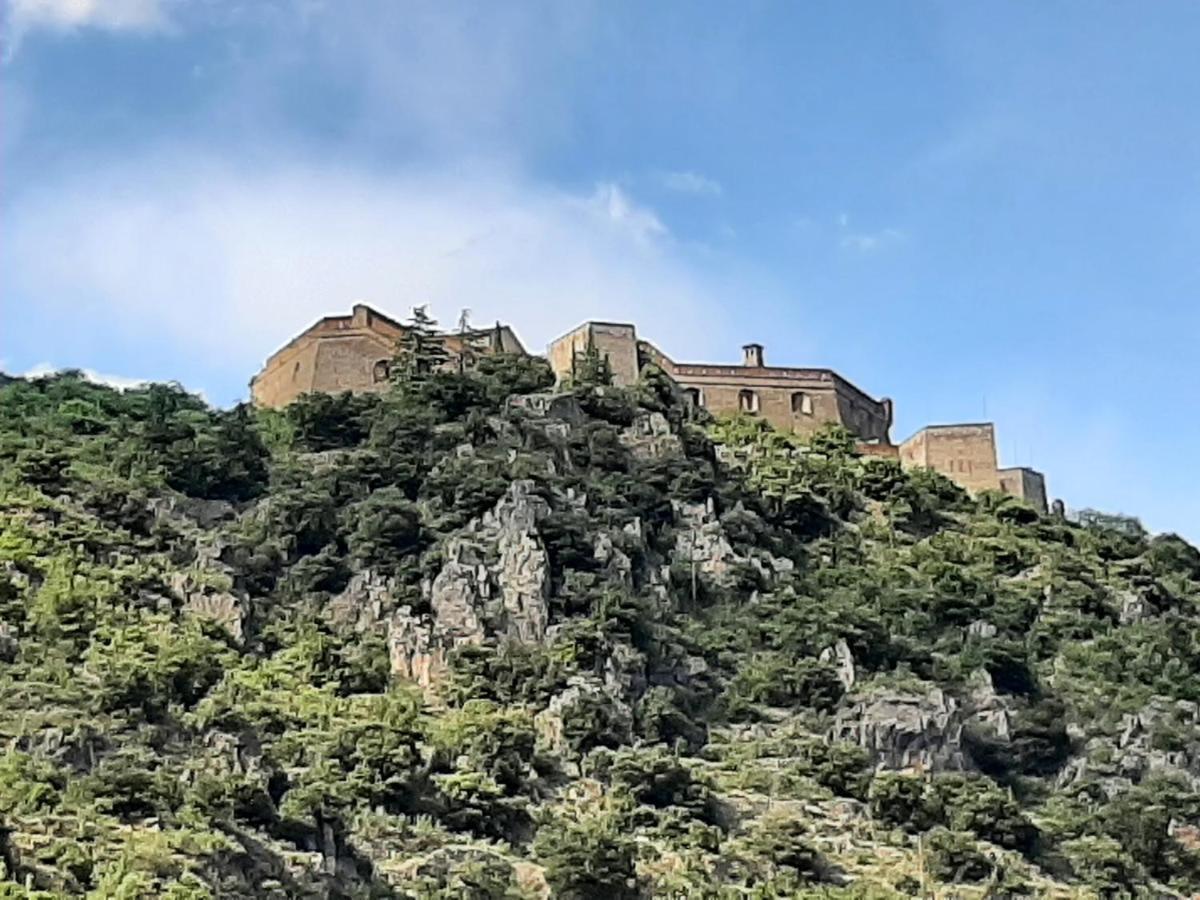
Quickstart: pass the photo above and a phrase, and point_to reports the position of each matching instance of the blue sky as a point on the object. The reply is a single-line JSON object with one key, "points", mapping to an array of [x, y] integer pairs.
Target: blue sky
{"points": [[981, 210]]}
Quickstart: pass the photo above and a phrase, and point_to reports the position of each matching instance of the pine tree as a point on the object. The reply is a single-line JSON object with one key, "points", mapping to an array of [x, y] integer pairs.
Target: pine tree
{"points": [[420, 351]]}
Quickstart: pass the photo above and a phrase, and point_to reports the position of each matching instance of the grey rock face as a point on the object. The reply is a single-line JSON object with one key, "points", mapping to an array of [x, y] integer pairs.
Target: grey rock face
{"points": [[564, 407], [494, 585], [1134, 608], [839, 654], [207, 591], [1117, 760], [584, 700], [650, 437], [418, 652], [366, 601], [204, 513], [904, 730], [981, 629], [616, 563], [701, 540]]}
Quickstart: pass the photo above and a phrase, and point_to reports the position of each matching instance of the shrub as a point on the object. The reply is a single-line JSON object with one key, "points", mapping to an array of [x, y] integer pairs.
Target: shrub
{"points": [[953, 856], [587, 858]]}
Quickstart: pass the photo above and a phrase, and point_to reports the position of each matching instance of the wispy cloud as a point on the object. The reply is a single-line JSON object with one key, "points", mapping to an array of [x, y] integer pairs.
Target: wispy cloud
{"points": [[109, 15], [226, 263], [613, 204], [869, 242], [21, 17], [691, 183], [866, 241]]}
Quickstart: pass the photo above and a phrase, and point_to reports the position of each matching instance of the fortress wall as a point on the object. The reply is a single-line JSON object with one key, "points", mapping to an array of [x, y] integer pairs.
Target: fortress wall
{"points": [[883, 451], [964, 453], [721, 397], [509, 343], [1026, 483], [819, 397], [868, 419], [914, 452], [561, 352], [347, 363], [287, 375], [616, 342]]}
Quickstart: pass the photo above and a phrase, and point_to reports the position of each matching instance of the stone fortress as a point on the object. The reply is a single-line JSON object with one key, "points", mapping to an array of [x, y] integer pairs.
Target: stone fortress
{"points": [[354, 352]]}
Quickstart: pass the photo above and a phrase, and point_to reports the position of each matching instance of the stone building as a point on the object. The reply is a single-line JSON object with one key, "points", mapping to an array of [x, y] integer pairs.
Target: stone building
{"points": [[801, 400], [354, 353], [794, 399], [966, 454]]}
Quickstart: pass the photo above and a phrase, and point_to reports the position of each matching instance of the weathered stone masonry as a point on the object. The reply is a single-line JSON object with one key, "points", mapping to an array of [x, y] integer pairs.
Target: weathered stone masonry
{"points": [[354, 352]]}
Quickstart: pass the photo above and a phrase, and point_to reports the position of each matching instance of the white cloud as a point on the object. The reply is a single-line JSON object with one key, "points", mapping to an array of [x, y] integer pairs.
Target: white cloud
{"points": [[24, 16], [610, 202], [120, 382], [224, 264], [109, 15], [869, 242], [691, 183]]}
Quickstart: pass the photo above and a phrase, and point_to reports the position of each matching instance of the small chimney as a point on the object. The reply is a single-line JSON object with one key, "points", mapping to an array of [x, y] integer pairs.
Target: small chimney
{"points": [[752, 355]]}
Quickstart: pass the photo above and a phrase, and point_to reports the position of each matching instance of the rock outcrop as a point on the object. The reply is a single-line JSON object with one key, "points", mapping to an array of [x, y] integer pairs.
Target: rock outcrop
{"points": [[493, 586], [650, 437], [906, 729]]}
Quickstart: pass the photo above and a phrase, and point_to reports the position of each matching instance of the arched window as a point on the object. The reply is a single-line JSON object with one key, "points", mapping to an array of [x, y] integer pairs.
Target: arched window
{"points": [[747, 401], [694, 396], [802, 404], [381, 370]]}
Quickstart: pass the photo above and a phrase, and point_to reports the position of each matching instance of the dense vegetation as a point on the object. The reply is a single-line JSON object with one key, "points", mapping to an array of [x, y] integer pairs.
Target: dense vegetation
{"points": [[208, 675]]}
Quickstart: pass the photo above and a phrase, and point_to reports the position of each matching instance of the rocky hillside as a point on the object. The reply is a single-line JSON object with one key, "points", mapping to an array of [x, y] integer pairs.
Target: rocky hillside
{"points": [[478, 639]]}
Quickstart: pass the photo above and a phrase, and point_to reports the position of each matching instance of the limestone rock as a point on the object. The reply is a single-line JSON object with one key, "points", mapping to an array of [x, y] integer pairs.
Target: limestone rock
{"points": [[650, 437], [204, 513], [494, 585], [981, 629], [1133, 608], [417, 652], [1132, 753], [989, 712], [839, 654], [564, 407], [701, 541], [584, 704], [905, 729], [222, 608], [365, 602], [616, 563]]}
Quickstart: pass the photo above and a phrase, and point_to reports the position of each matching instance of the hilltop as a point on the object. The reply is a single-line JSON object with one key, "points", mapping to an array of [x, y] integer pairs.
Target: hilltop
{"points": [[474, 638]]}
